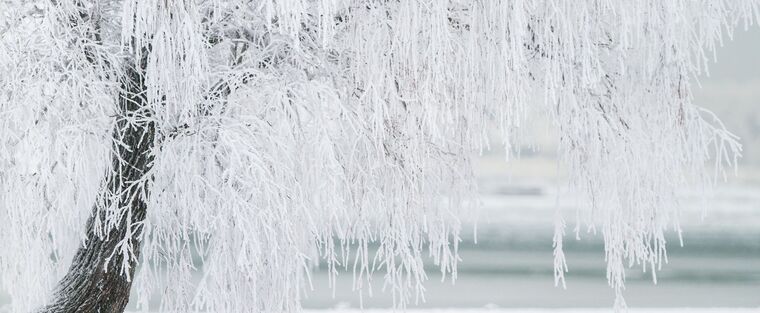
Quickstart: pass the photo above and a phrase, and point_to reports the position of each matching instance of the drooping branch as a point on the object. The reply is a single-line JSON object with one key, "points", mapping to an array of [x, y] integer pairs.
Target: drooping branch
{"points": [[342, 122], [217, 94]]}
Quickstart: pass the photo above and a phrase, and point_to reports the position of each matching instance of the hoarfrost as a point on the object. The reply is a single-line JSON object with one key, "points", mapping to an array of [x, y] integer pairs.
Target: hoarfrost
{"points": [[290, 132]]}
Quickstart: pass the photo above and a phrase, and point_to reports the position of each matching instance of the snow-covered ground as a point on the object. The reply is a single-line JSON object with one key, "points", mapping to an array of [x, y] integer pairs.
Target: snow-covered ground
{"points": [[530, 310], [534, 310]]}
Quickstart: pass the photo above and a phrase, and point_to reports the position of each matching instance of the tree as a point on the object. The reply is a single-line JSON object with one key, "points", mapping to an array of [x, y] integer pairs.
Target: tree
{"points": [[262, 137]]}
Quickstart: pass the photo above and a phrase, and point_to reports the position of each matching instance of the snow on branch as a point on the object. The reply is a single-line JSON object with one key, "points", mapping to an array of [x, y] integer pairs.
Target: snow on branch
{"points": [[290, 133]]}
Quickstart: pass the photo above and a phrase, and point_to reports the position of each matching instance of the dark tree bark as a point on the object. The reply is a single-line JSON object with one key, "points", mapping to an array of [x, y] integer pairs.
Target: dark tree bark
{"points": [[91, 284]]}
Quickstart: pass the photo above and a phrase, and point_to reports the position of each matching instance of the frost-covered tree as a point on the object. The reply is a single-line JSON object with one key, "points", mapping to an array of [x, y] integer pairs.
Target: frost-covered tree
{"points": [[264, 137]]}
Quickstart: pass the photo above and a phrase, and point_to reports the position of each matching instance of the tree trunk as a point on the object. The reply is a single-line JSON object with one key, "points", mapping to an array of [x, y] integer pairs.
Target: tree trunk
{"points": [[94, 283]]}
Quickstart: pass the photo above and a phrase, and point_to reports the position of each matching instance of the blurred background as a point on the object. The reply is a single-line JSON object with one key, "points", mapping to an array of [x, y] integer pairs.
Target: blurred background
{"points": [[512, 264]]}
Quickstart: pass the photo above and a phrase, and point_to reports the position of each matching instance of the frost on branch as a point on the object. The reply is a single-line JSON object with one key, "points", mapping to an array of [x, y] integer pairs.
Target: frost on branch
{"points": [[289, 132]]}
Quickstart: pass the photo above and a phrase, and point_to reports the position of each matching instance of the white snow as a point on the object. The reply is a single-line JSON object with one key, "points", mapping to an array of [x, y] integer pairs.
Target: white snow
{"points": [[530, 310], [345, 125]]}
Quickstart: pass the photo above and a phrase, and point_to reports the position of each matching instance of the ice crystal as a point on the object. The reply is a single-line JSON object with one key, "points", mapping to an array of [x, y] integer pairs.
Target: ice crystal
{"points": [[290, 132]]}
